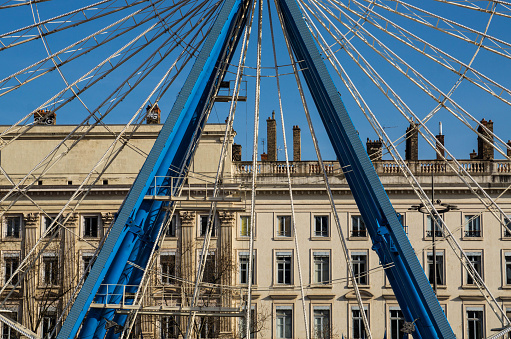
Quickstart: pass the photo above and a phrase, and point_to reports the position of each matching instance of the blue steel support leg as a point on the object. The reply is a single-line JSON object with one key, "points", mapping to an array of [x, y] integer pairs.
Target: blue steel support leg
{"points": [[411, 287], [134, 231]]}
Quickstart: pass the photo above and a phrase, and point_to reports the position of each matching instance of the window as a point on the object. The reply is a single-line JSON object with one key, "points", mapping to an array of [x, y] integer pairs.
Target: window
{"points": [[48, 223], [171, 230], [49, 320], [439, 268], [359, 331], [245, 223], [169, 327], [507, 220], [284, 273], [507, 268], [86, 260], [476, 259], [91, 226], [321, 226], [321, 267], [283, 226], [284, 321], [208, 327], [50, 269], [13, 226], [321, 329], [11, 263], [204, 225], [359, 264], [7, 331], [475, 322], [472, 226], [244, 258], [210, 274], [397, 321], [168, 267], [242, 327], [358, 228], [430, 225]]}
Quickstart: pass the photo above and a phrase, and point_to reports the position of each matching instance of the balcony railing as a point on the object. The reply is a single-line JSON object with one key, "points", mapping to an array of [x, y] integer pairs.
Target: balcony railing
{"points": [[381, 166]]}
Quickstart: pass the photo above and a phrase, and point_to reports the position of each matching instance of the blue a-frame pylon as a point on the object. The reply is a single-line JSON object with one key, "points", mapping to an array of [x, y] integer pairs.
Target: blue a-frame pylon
{"points": [[135, 229]]}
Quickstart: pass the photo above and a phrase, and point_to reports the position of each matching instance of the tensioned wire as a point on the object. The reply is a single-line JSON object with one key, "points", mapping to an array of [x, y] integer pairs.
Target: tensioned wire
{"points": [[89, 127], [325, 176], [462, 256], [50, 229]]}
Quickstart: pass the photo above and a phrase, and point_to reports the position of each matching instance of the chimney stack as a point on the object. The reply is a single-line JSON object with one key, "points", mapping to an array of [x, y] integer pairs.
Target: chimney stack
{"points": [[412, 142], [485, 148], [236, 152], [153, 115], [509, 150], [374, 149], [297, 144], [271, 135], [440, 142]]}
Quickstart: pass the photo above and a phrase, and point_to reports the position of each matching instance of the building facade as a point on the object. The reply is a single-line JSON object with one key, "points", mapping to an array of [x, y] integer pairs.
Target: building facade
{"points": [[68, 244]]}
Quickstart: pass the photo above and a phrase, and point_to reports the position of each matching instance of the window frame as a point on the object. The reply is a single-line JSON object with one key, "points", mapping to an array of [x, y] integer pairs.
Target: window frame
{"points": [[253, 320], [11, 333], [99, 226], [473, 308], [174, 327], [361, 232], [469, 234], [400, 320], [49, 313], [5, 228], [466, 276], [320, 307], [506, 281], [428, 227], [171, 231], [283, 253], [44, 225], [240, 232], [366, 276], [314, 233], [55, 279], [215, 222], [5, 256], [351, 322], [211, 253], [505, 234], [428, 266], [83, 264], [277, 233], [246, 254], [321, 253], [167, 280], [286, 308]]}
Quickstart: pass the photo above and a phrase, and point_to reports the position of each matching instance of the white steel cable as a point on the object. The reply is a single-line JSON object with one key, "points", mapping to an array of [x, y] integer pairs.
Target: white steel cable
{"points": [[288, 172], [351, 274], [471, 5], [482, 286]]}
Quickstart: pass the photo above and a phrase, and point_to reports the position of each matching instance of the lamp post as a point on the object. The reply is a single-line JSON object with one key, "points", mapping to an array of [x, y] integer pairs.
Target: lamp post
{"points": [[440, 208]]}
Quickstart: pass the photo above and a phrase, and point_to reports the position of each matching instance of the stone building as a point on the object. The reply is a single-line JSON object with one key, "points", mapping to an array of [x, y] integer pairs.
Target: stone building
{"points": [[331, 308]]}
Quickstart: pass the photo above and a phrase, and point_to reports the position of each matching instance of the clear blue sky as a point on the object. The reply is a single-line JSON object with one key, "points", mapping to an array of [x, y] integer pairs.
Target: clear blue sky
{"points": [[458, 138]]}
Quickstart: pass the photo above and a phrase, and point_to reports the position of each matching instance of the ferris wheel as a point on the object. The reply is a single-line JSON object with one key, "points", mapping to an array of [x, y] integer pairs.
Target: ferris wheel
{"points": [[396, 62]]}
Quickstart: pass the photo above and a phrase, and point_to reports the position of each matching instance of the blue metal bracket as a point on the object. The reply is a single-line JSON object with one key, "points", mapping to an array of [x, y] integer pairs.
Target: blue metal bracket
{"points": [[411, 287]]}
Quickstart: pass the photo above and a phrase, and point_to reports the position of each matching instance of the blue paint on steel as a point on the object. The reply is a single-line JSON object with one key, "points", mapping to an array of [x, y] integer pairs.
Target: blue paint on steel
{"points": [[410, 285], [138, 221]]}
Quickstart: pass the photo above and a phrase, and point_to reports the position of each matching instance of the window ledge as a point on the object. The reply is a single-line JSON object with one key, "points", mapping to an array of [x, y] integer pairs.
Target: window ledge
{"points": [[472, 238], [358, 238], [243, 238], [315, 238], [320, 286], [283, 286], [469, 287], [11, 239], [277, 238]]}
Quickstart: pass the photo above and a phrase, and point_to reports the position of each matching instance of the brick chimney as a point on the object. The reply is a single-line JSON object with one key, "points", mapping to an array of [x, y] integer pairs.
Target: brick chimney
{"points": [[297, 144], [440, 142], [484, 148], [509, 150], [45, 117], [236, 152], [412, 142], [374, 149], [271, 135], [153, 117]]}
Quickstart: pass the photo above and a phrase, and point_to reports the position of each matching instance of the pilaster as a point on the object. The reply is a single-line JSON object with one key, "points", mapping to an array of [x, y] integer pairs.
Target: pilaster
{"points": [[29, 283], [227, 220]]}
